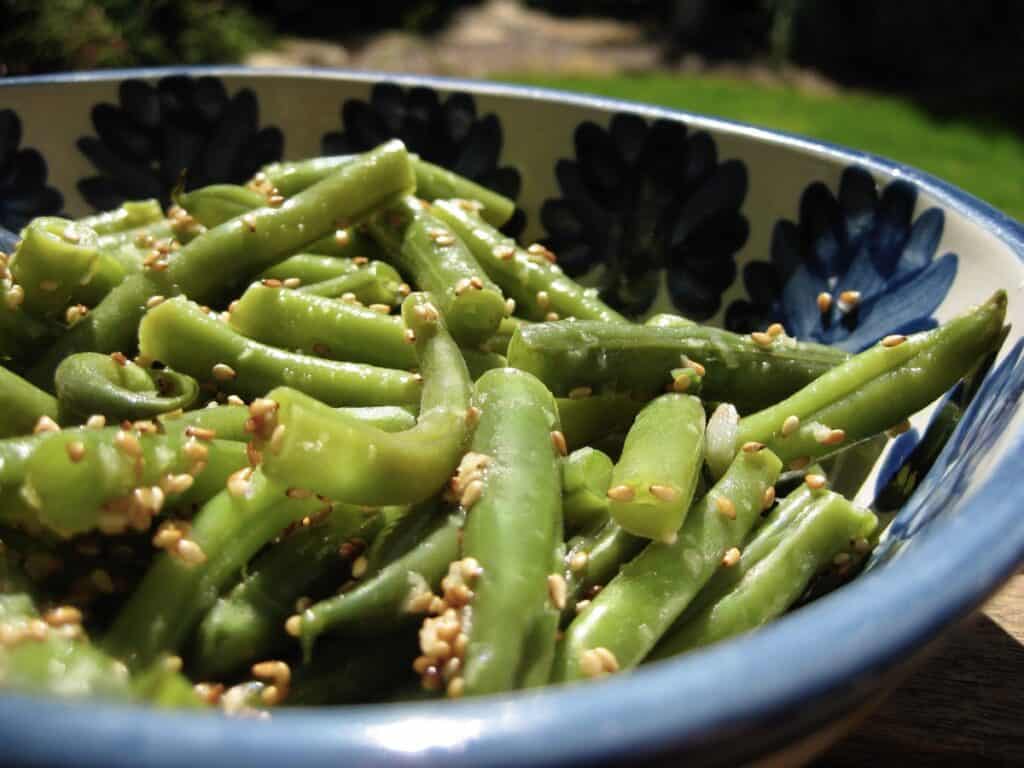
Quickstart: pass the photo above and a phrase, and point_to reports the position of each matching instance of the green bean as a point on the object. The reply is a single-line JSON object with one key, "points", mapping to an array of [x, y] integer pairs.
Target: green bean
{"points": [[848, 469], [478, 363], [234, 249], [22, 404], [586, 478], [247, 623], [530, 277], [769, 586], [310, 268], [587, 419], [129, 215], [425, 250], [89, 383], [140, 238], [179, 334], [354, 672], [639, 359], [115, 479], [501, 338], [229, 421], [512, 531], [358, 464], [351, 243], [592, 560], [876, 389], [653, 482], [336, 330], [164, 687], [215, 204], [392, 597], [432, 183], [57, 263], [21, 335], [377, 283], [182, 584], [633, 611], [669, 320]]}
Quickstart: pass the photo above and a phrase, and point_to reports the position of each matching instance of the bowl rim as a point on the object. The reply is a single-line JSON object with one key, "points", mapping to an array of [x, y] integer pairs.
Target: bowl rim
{"points": [[695, 701]]}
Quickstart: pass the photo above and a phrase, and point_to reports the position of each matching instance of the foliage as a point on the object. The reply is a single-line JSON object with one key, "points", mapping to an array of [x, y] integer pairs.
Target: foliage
{"points": [[87, 34]]}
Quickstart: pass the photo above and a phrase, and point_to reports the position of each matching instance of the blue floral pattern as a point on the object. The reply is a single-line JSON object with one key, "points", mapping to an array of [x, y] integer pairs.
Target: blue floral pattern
{"points": [[448, 133], [179, 125], [859, 241], [24, 193], [641, 199]]}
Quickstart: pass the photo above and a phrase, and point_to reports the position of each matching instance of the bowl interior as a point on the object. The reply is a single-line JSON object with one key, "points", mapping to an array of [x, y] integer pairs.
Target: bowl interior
{"points": [[662, 211]]}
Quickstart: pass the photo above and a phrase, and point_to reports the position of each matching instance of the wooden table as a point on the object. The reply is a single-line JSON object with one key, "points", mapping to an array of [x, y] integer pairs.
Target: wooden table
{"points": [[963, 706]]}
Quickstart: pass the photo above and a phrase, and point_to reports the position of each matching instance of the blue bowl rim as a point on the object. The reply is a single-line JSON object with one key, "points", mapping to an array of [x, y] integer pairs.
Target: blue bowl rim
{"points": [[684, 702]]}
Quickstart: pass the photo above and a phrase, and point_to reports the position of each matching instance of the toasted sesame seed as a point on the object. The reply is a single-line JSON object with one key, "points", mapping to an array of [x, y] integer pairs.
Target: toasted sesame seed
{"points": [[815, 482], [543, 300], [697, 367], [75, 313], [623, 493], [472, 493], [200, 433], [834, 437], [76, 451], [462, 286], [262, 407], [581, 606], [752, 446], [277, 671], [96, 421], [277, 439], [298, 493], [456, 688], [893, 340], [445, 239], [731, 557], [476, 282], [224, 372], [775, 329], [195, 450], [557, 590], [790, 425], [427, 312], [667, 493], [14, 296], [726, 507], [293, 626], [250, 222], [768, 497], [119, 358], [472, 416], [190, 552], [578, 561], [539, 250], [239, 482], [760, 338], [342, 237], [360, 261], [504, 252], [681, 383], [849, 298], [799, 463], [824, 302], [382, 309], [842, 558], [558, 441], [128, 443], [292, 282], [404, 289], [359, 567], [272, 282], [155, 301], [510, 307], [63, 615], [45, 424]]}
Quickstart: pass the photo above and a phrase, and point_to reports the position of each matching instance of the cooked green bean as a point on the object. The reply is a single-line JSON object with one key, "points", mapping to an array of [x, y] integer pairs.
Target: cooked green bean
{"points": [[775, 581], [631, 613], [58, 264], [337, 330], [212, 205], [89, 383], [22, 404], [586, 418], [129, 215], [639, 359], [238, 247], [425, 250], [179, 334], [539, 287], [653, 482], [358, 464], [247, 624], [586, 478]]}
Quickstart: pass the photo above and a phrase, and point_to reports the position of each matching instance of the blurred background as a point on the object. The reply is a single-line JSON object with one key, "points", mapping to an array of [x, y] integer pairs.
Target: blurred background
{"points": [[935, 83]]}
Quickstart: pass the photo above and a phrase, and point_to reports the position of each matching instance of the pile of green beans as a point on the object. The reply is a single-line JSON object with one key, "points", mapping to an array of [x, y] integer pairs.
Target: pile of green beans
{"points": [[331, 437]]}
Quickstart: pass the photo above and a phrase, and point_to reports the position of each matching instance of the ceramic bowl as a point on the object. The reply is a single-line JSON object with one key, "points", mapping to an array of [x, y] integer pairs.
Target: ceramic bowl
{"points": [[727, 223]]}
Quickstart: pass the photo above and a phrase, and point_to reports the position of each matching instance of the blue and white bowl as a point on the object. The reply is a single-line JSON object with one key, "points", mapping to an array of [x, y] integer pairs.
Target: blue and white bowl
{"points": [[662, 210]]}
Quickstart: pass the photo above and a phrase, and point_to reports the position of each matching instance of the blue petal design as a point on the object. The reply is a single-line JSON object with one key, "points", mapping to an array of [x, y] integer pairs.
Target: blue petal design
{"points": [[858, 241], [24, 193]]}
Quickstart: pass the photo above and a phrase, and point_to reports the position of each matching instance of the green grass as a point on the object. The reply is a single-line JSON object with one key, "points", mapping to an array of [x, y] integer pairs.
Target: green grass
{"points": [[985, 161]]}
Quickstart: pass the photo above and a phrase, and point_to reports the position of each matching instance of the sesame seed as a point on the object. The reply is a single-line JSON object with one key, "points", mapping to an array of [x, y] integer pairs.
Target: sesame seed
{"points": [[96, 421], [543, 299], [824, 302], [726, 507], [456, 688], [768, 497], [472, 416], [775, 329], [476, 282], [200, 433], [557, 590], [665, 493], [14, 296], [360, 261], [504, 252], [176, 483], [539, 250], [849, 298], [342, 237], [195, 450], [63, 615], [681, 383], [472, 493], [190, 552], [842, 558], [799, 463], [298, 493], [404, 289], [731, 557], [223, 372], [558, 441], [815, 482], [277, 439], [238, 482], [359, 567], [580, 393], [790, 425], [292, 282], [427, 312], [235, 400], [697, 367], [893, 340], [76, 451], [45, 424], [382, 309], [445, 239], [293, 626], [623, 493], [154, 301], [250, 222], [272, 282], [552, 317], [760, 338], [119, 358], [581, 605], [578, 561], [75, 313], [277, 671], [128, 443], [752, 447], [461, 286]]}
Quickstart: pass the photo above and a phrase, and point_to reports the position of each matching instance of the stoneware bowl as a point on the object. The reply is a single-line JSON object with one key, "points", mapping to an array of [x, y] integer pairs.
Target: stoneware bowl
{"points": [[727, 223]]}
